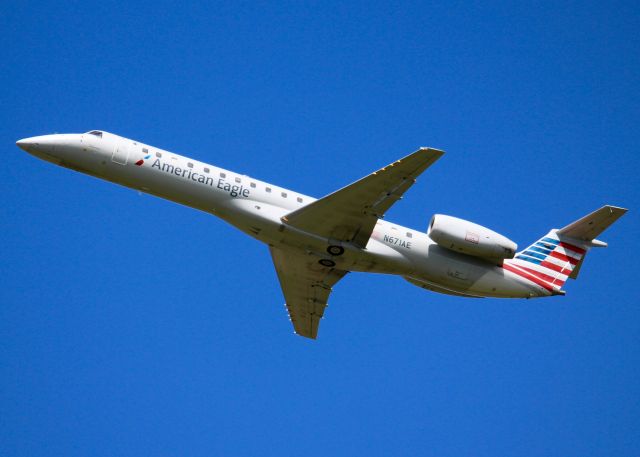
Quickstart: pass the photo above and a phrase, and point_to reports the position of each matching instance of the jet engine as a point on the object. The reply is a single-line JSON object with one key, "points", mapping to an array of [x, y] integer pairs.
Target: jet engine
{"points": [[468, 238]]}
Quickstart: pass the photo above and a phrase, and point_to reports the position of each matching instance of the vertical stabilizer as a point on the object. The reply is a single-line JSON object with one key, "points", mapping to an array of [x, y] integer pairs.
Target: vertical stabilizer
{"points": [[590, 226], [550, 261], [560, 253]]}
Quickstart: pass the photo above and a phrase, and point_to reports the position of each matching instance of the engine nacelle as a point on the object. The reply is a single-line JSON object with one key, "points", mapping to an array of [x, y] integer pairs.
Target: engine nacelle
{"points": [[468, 238]]}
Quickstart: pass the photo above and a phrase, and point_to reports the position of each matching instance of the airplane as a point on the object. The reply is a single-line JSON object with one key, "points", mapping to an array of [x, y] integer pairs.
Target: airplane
{"points": [[314, 243]]}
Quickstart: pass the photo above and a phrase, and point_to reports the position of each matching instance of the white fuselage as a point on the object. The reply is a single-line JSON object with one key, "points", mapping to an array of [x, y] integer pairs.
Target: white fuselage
{"points": [[256, 208]]}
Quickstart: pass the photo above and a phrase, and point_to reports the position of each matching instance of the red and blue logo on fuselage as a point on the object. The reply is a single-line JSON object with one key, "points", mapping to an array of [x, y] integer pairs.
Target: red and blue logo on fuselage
{"points": [[141, 161]]}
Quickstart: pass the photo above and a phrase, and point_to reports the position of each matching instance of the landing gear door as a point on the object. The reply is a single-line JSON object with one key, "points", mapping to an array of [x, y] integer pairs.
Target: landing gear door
{"points": [[121, 153]]}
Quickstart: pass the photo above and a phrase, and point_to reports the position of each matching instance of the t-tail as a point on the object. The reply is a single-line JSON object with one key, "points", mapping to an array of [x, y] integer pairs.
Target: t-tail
{"points": [[559, 254]]}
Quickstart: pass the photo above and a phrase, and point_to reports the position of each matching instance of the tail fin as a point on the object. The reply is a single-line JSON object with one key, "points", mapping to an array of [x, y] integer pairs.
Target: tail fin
{"points": [[559, 254], [592, 225]]}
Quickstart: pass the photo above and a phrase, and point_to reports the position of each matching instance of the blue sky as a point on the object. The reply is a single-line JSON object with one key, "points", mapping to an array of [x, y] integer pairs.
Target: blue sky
{"points": [[133, 326]]}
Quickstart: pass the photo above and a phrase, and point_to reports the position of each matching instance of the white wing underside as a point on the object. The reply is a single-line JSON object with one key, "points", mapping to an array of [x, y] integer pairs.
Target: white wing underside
{"points": [[348, 215], [351, 213], [306, 286]]}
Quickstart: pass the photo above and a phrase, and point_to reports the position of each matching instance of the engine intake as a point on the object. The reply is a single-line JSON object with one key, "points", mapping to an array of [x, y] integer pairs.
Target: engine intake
{"points": [[468, 238]]}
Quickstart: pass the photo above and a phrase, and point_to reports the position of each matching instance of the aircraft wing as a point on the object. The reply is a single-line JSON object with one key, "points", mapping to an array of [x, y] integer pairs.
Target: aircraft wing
{"points": [[306, 286], [351, 213]]}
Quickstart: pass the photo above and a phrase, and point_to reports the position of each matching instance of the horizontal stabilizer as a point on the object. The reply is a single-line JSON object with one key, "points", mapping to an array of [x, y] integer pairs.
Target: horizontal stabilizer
{"points": [[590, 226]]}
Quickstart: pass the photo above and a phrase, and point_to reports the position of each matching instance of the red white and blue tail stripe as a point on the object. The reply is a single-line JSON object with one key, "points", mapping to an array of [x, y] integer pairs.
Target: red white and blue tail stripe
{"points": [[548, 262], [559, 254]]}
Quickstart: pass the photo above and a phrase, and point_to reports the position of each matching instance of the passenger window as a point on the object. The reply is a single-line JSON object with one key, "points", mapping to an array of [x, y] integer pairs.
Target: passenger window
{"points": [[145, 150], [284, 194], [206, 170], [268, 189], [253, 184], [158, 154], [190, 165], [223, 175], [409, 235], [237, 179], [299, 200]]}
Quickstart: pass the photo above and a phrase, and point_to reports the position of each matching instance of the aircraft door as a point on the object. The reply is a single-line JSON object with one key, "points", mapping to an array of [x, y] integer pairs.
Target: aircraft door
{"points": [[121, 153]]}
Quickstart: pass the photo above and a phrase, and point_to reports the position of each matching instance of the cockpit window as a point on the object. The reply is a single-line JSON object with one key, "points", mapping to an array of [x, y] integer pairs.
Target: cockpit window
{"points": [[96, 133]]}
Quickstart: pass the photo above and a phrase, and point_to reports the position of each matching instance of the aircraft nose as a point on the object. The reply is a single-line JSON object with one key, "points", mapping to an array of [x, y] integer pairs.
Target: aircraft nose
{"points": [[25, 144], [44, 144], [52, 148]]}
